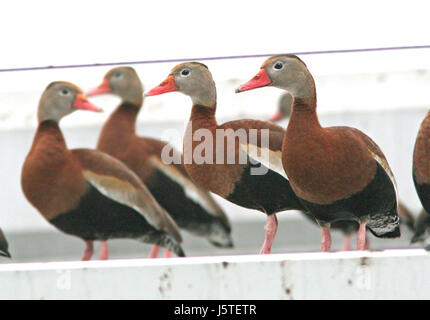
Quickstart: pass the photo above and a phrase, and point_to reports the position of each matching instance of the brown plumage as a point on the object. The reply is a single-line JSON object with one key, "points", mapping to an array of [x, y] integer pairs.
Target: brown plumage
{"points": [[421, 177], [338, 173], [346, 227], [421, 163], [84, 192], [208, 163], [169, 183]]}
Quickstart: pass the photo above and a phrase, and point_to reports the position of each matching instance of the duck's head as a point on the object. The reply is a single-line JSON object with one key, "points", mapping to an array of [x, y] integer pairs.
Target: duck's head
{"points": [[123, 82], [192, 79], [60, 99], [286, 72]]}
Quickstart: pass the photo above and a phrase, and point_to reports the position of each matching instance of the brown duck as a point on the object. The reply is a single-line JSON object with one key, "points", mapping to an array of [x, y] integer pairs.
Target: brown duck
{"points": [[87, 193], [191, 207], [338, 173], [224, 158]]}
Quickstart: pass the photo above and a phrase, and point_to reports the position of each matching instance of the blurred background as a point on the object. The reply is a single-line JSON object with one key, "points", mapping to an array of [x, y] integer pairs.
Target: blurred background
{"points": [[385, 94]]}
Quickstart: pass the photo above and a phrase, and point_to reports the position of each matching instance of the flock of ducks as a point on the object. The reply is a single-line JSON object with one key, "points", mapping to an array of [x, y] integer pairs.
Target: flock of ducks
{"points": [[337, 176]]}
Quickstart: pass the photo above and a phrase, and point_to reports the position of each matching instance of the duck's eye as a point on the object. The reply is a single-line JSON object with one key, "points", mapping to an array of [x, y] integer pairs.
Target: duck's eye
{"points": [[278, 66], [117, 75], [185, 72], [65, 92]]}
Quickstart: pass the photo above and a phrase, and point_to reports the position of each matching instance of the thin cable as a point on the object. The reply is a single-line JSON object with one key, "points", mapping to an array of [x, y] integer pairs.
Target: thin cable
{"points": [[88, 65]]}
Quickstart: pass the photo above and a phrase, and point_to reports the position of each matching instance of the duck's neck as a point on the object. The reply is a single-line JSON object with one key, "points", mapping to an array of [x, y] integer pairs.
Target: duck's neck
{"points": [[120, 126], [49, 141], [124, 118], [50, 129], [203, 116], [304, 118]]}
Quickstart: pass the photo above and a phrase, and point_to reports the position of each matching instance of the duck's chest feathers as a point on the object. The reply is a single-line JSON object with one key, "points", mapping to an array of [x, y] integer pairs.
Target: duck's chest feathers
{"points": [[51, 180], [326, 166], [210, 161]]}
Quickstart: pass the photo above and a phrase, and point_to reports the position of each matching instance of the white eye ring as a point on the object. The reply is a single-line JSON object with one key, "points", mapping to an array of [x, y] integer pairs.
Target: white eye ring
{"points": [[64, 92], [185, 72], [278, 66]]}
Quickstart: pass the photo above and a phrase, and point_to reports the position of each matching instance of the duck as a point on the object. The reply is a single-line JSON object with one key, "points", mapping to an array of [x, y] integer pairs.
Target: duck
{"points": [[192, 208], [421, 178], [232, 159], [87, 193], [347, 228], [338, 173], [4, 246]]}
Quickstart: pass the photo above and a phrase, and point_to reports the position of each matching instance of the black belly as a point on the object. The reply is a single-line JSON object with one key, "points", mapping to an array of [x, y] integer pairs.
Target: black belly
{"points": [[98, 217], [423, 191], [377, 201], [269, 193], [187, 213], [345, 226]]}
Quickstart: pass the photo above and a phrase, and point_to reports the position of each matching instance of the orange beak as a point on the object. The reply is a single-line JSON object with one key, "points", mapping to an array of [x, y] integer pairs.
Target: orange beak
{"points": [[81, 102], [167, 85], [101, 89], [260, 80]]}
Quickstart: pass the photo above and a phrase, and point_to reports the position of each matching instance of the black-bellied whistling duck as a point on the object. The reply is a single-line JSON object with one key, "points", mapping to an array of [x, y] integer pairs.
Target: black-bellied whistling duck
{"points": [[421, 163], [338, 173], [224, 163], [422, 229], [4, 246], [87, 193], [191, 207], [348, 228], [421, 177]]}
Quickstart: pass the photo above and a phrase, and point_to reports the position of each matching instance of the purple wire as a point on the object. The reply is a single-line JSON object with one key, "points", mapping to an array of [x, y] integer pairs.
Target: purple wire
{"points": [[87, 65]]}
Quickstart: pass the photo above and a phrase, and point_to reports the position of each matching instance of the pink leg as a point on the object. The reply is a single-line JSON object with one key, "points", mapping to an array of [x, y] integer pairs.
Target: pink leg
{"points": [[346, 243], [88, 252], [325, 239], [361, 237], [271, 227], [154, 252], [104, 251], [167, 253]]}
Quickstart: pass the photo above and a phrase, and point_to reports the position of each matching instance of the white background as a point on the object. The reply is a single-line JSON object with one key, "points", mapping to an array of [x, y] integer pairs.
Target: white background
{"points": [[37, 33]]}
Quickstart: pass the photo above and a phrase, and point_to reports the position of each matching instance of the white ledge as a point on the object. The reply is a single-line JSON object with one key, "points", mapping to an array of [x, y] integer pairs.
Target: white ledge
{"points": [[391, 274]]}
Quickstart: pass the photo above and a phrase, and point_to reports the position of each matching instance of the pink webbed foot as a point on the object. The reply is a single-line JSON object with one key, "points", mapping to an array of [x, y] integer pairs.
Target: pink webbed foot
{"points": [[154, 252], [271, 228], [104, 251], [167, 253], [88, 252]]}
